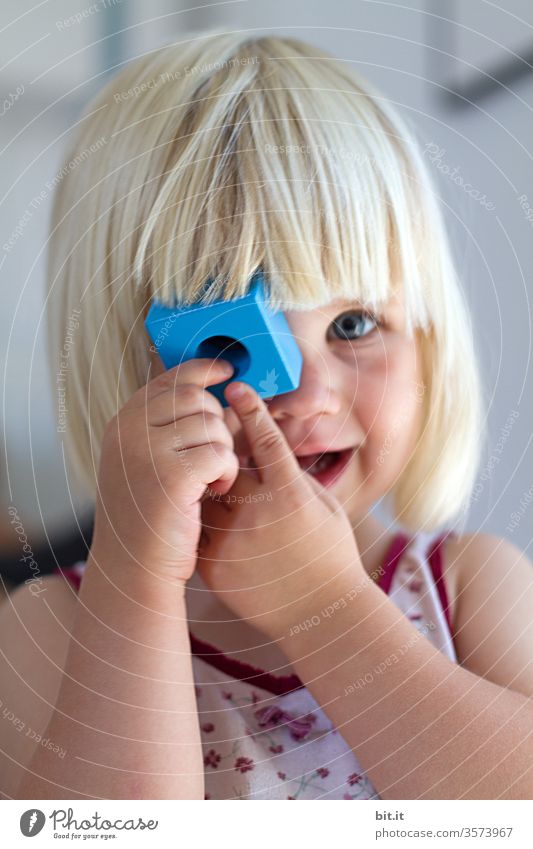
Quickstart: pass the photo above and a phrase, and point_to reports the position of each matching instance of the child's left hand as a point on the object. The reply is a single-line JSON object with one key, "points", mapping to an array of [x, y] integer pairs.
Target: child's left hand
{"points": [[268, 545]]}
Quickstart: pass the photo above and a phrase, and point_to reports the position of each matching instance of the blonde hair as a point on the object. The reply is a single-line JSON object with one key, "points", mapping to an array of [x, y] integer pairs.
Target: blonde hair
{"points": [[229, 153]]}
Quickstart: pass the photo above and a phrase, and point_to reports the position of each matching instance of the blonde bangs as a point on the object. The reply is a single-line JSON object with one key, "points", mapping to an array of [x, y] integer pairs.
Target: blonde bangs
{"points": [[284, 165]]}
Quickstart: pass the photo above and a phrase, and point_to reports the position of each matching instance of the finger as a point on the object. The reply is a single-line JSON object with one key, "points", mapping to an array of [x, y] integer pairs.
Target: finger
{"points": [[204, 371], [212, 465], [185, 399], [272, 454], [194, 431]]}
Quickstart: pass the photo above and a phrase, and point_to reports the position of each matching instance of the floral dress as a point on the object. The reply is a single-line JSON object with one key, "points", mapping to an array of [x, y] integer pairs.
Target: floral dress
{"points": [[263, 735]]}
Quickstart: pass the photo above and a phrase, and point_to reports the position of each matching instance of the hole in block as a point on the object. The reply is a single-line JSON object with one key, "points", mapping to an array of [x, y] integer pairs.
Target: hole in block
{"points": [[227, 349]]}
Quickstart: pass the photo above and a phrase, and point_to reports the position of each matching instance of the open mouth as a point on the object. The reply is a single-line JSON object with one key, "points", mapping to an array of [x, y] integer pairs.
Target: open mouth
{"points": [[325, 466], [314, 463]]}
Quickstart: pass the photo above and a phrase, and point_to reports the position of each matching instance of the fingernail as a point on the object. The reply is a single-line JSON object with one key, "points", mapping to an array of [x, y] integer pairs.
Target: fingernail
{"points": [[236, 390], [226, 366]]}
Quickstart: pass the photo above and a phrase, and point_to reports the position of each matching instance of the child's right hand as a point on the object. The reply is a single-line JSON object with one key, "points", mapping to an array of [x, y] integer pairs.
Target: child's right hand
{"points": [[148, 504]]}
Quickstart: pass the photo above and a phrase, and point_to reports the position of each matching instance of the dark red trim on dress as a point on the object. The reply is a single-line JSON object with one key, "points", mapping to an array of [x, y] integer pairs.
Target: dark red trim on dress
{"points": [[279, 685], [72, 576], [435, 559]]}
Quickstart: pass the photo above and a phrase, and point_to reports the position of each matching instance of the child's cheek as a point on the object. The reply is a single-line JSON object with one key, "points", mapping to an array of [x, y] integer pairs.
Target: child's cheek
{"points": [[389, 407]]}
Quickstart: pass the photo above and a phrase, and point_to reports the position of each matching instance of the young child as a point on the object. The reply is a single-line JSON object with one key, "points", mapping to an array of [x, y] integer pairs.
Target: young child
{"points": [[243, 626]]}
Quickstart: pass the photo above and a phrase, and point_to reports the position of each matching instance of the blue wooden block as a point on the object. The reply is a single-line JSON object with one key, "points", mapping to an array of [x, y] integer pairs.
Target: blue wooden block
{"points": [[255, 339]]}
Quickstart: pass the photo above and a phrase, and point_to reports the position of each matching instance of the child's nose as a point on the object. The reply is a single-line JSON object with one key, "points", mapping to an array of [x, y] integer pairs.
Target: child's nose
{"points": [[317, 394]]}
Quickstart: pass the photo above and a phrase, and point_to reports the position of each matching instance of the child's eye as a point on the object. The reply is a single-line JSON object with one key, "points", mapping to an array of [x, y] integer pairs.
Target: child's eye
{"points": [[350, 325]]}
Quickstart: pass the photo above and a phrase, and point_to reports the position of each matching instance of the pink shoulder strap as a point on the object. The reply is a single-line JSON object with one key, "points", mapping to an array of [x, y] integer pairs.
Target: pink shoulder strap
{"points": [[392, 558], [434, 557]]}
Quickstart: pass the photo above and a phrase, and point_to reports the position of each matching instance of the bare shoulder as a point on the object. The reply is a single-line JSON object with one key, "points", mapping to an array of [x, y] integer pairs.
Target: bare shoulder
{"points": [[490, 584], [34, 636]]}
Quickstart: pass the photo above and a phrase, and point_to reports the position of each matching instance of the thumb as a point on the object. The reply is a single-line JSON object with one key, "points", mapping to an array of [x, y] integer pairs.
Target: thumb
{"points": [[272, 454]]}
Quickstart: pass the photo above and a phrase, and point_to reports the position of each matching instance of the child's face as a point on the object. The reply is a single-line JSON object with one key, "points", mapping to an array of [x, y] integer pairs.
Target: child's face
{"points": [[361, 391]]}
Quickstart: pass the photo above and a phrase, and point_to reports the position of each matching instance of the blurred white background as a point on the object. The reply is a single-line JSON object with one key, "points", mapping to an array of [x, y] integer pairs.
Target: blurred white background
{"points": [[414, 51]]}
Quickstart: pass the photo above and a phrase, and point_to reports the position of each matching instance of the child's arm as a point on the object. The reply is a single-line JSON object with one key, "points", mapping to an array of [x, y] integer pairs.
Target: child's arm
{"points": [[33, 645], [422, 726], [493, 621], [126, 713]]}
